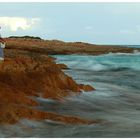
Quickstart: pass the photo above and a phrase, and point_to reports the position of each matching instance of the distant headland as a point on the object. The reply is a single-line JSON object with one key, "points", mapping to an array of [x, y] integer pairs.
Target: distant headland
{"points": [[60, 47]]}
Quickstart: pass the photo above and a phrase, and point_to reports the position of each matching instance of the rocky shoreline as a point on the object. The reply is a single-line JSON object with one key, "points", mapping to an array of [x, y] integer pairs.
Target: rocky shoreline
{"points": [[28, 71], [59, 47], [25, 74]]}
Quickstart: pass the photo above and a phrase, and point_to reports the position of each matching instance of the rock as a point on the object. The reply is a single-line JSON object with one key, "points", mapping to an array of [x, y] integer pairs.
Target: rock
{"points": [[26, 73], [86, 87], [11, 113], [60, 47], [62, 66]]}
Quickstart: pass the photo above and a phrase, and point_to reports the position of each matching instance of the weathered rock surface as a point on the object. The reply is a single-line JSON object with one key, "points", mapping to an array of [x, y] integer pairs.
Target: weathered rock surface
{"points": [[62, 66], [26, 73], [60, 47]]}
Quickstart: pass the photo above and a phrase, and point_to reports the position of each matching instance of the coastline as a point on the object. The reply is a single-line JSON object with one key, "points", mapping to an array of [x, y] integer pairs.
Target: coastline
{"points": [[54, 47], [28, 71], [25, 74]]}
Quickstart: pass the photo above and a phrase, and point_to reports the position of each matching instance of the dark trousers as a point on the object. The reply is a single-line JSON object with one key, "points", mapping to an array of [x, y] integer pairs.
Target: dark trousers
{"points": [[1, 52]]}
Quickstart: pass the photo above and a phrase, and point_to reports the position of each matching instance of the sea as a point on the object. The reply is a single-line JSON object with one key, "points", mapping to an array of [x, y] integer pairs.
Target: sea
{"points": [[115, 102]]}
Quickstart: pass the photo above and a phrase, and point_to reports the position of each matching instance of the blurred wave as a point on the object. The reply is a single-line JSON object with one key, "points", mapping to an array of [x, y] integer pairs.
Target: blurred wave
{"points": [[116, 100]]}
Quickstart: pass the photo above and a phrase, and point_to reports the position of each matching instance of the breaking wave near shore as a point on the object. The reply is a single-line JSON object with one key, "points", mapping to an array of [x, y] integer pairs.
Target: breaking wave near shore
{"points": [[117, 61], [115, 101]]}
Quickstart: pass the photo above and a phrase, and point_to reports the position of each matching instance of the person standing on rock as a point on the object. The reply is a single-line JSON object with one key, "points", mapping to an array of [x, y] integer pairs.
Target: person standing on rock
{"points": [[2, 46]]}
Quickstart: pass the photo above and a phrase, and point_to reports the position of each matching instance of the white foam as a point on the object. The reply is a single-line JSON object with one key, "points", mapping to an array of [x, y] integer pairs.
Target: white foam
{"points": [[109, 61], [135, 52], [45, 100]]}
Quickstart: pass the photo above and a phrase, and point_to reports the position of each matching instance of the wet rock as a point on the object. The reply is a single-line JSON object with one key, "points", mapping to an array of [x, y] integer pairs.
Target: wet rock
{"points": [[86, 87], [26, 73], [11, 113], [62, 66]]}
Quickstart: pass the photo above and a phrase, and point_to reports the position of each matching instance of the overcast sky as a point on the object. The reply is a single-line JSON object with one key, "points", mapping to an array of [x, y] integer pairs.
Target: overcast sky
{"points": [[100, 23]]}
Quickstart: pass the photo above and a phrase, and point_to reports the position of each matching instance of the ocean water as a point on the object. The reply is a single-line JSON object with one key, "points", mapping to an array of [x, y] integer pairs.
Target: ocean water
{"points": [[116, 100]]}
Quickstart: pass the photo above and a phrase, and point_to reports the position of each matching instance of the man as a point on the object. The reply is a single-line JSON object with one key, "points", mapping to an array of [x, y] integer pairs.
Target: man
{"points": [[2, 46]]}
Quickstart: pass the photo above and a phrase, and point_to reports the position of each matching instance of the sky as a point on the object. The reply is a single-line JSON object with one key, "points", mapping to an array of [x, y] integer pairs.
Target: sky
{"points": [[97, 23]]}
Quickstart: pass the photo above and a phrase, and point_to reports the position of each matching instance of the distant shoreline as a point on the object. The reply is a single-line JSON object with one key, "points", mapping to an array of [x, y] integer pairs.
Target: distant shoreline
{"points": [[59, 40], [54, 47]]}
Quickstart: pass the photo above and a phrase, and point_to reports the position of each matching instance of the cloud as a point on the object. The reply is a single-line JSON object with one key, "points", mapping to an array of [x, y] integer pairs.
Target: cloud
{"points": [[16, 23]]}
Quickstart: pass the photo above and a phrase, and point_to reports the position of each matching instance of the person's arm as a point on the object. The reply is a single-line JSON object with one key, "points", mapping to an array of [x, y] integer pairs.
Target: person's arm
{"points": [[2, 40], [2, 43]]}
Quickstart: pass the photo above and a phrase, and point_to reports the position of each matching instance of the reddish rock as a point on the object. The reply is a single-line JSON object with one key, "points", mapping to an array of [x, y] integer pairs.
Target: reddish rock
{"points": [[60, 47], [24, 74], [86, 87], [62, 66], [11, 113]]}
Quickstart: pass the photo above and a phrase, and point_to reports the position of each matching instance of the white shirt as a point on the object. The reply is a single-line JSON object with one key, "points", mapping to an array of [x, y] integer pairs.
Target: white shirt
{"points": [[2, 45]]}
